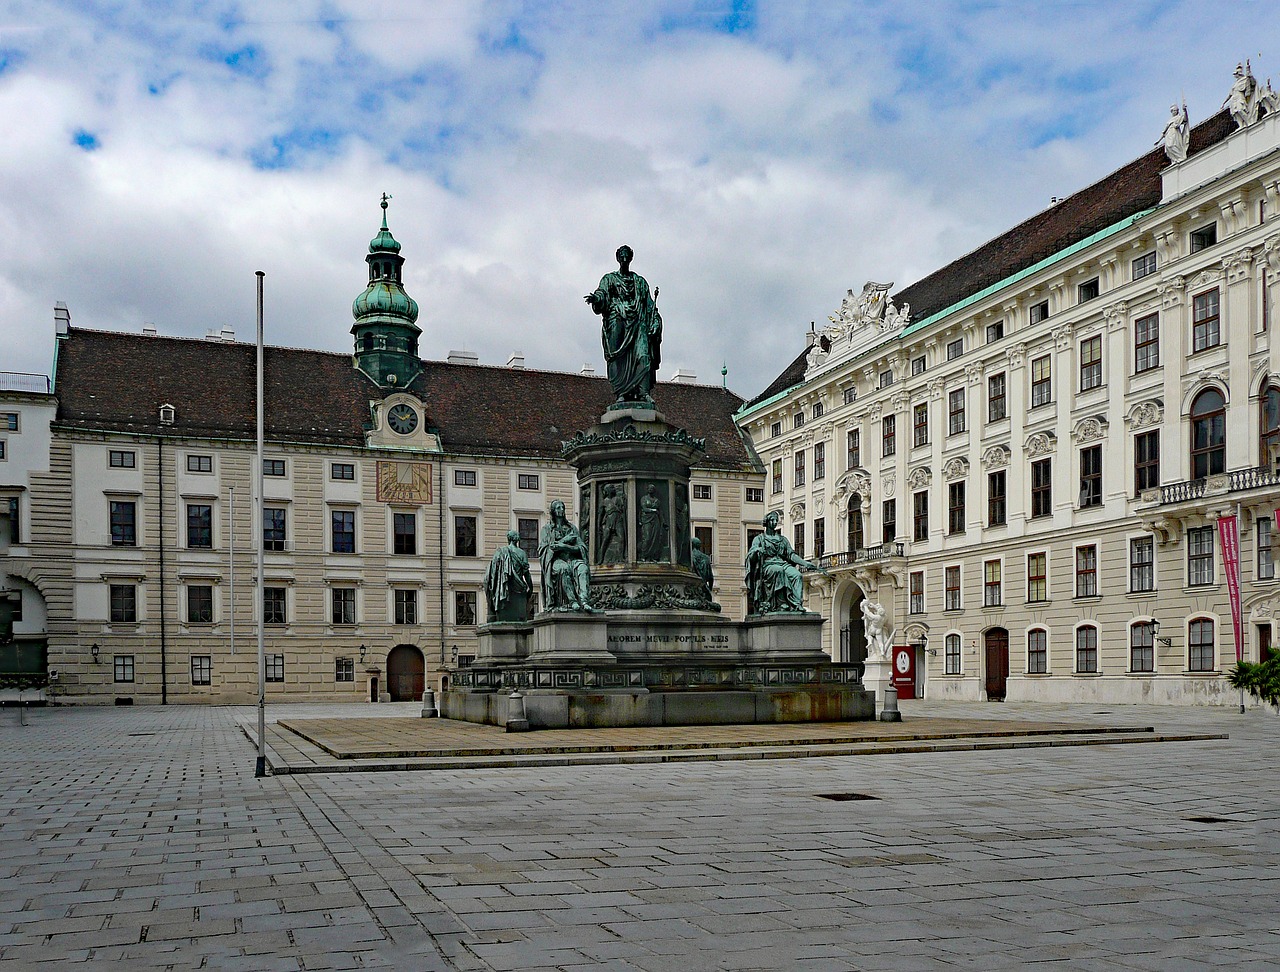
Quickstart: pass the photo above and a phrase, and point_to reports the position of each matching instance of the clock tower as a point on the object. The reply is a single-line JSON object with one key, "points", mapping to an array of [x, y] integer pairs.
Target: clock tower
{"points": [[385, 331]]}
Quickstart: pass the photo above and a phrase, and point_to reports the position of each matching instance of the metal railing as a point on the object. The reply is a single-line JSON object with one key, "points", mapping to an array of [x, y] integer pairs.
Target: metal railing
{"points": [[849, 557], [1258, 477], [22, 381]]}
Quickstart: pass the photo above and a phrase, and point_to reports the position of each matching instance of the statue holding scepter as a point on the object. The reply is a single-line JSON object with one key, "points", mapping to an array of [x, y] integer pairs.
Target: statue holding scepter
{"points": [[630, 330]]}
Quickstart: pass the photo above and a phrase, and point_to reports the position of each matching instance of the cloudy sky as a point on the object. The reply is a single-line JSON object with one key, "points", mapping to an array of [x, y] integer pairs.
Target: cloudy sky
{"points": [[760, 157]]}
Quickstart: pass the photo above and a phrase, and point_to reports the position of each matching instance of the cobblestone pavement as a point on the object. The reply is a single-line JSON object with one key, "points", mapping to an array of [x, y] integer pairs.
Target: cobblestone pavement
{"points": [[141, 837]]}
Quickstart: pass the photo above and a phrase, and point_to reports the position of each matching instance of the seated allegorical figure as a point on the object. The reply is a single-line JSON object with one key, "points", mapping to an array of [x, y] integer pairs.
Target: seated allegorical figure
{"points": [[566, 580], [774, 583]]}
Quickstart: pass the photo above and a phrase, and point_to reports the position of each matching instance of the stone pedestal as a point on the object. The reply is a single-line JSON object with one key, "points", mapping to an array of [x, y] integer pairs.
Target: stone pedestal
{"points": [[877, 677], [569, 638]]}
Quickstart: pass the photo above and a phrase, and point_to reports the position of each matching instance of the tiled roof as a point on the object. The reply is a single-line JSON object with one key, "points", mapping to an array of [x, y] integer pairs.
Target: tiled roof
{"points": [[117, 382], [1130, 189]]}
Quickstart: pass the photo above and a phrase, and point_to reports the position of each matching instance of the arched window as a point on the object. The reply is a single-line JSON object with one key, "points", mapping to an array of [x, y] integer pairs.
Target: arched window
{"points": [[1269, 427], [367, 341], [1037, 651], [1208, 434], [1200, 645], [951, 654], [1142, 641], [857, 539], [1086, 648]]}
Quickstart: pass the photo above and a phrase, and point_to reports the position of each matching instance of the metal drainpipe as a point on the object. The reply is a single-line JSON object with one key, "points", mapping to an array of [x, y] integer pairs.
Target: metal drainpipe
{"points": [[440, 558], [164, 661]]}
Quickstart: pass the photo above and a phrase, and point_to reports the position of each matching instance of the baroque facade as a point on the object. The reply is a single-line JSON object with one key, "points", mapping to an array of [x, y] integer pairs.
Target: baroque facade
{"points": [[1022, 456], [388, 482]]}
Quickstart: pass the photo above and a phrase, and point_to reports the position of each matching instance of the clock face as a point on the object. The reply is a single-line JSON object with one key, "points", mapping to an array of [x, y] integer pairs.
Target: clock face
{"points": [[402, 419]]}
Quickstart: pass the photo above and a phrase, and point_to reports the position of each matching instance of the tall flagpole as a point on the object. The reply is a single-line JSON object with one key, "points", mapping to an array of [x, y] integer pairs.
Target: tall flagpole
{"points": [[1239, 581], [261, 769], [231, 562]]}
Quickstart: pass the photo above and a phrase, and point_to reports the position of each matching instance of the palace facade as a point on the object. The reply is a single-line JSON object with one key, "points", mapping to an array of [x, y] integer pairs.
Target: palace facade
{"points": [[1023, 456]]}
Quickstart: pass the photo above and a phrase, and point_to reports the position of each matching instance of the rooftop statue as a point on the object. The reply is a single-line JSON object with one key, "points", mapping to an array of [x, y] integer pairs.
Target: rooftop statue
{"points": [[630, 330], [566, 581], [774, 583], [507, 585], [1177, 134], [1269, 99], [1242, 102]]}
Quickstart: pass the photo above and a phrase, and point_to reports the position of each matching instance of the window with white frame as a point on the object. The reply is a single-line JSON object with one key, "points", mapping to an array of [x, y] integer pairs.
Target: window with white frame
{"points": [[1200, 556], [275, 668], [920, 424], [1201, 647], [1142, 565], [1087, 649], [124, 670], [951, 585], [992, 585], [951, 654], [955, 412], [1087, 291], [797, 420], [1145, 265], [997, 400], [920, 527], [1142, 652], [798, 479], [1146, 343], [1087, 571], [199, 604], [1037, 651], [918, 365], [819, 461], [888, 435], [1206, 323], [955, 349], [343, 605], [1091, 363], [405, 605], [850, 395], [201, 669], [853, 447], [1038, 312], [1037, 577], [915, 584], [1042, 487], [344, 669], [955, 507], [701, 491], [1266, 559], [997, 505], [1146, 461], [995, 331], [1041, 382], [1090, 477]]}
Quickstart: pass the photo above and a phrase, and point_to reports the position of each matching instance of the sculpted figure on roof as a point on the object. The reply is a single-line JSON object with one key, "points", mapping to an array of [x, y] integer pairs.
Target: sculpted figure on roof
{"points": [[866, 308], [1177, 133], [630, 330], [1242, 102]]}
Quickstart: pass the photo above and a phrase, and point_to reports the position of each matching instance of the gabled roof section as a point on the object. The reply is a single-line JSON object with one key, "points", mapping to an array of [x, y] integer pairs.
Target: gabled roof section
{"points": [[117, 382]]}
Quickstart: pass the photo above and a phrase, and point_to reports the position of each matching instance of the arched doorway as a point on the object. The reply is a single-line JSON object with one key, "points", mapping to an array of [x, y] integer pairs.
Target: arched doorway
{"points": [[406, 674], [997, 657], [853, 634]]}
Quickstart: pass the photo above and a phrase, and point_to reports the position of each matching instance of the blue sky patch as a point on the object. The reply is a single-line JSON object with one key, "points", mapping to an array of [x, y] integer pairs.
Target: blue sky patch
{"points": [[85, 139], [293, 148]]}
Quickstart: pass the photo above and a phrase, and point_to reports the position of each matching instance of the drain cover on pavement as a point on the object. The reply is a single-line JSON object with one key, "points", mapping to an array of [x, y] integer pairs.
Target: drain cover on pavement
{"points": [[841, 797]]}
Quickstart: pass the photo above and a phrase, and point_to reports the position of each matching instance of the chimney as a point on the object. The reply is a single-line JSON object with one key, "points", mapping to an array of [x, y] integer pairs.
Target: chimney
{"points": [[588, 370], [516, 360], [213, 335], [149, 329], [228, 334], [463, 358], [685, 377], [61, 318]]}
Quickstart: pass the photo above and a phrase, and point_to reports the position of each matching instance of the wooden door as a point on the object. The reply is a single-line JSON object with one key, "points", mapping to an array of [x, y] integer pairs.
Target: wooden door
{"points": [[997, 645], [406, 674]]}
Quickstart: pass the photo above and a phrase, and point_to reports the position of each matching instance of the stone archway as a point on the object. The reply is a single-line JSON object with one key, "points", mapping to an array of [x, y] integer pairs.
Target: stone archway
{"points": [[852, 645], [406, 674]]}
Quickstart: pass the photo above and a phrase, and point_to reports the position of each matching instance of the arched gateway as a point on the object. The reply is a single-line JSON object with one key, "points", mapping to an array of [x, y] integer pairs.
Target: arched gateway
{"points": [[406, 674]]}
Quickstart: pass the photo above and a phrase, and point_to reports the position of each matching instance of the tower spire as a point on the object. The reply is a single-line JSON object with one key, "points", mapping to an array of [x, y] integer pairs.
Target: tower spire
{"points": [[385, 330]]}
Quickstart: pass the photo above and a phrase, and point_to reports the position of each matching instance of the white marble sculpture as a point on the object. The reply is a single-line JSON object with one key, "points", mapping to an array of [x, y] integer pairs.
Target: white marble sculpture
{"points": [[876, 626], [1269, 100], [866, 308], [1177, 133], [1242, 102]]}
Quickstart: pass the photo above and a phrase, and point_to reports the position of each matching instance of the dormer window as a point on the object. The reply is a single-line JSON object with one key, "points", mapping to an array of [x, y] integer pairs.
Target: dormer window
{"points": [[168, 415]]}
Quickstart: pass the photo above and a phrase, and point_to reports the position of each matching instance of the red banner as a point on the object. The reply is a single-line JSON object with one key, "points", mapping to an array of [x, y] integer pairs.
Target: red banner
{"points": [[1229, 535]]}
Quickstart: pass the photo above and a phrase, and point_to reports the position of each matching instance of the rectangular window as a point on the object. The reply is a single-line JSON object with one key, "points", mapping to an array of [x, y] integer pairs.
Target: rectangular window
{"points": [[1038, 312], [1204, 237], [9, 421], [1205, 322], [1200, 647], [199, 526], [200, 464], [201, 669], [995, 331], [1091, 363], [1042, 487], [275, 668], [819, 461], [13, 509], [124, 604], [1142, 565], [1037, 651], [955, 507], [920, 424], [951, 580], [121, 459], [1142, 655], [464, 477], [889, 521], [992, 590], [404, 533], [273, 528], [1087, 649], [798, 536], [819, 536], [951, 654], [1199, 556], [997, 403], [124, 523], [997, 506], [1091, 477], [273, 467], [755, 494], [955, 349], [1087, 571], [1146, 461], [1037, 577], [124, 668], [775, 430], [527, 527], [344, 530], [1144, 266], [799, 468], [702, 491], [344, 669], [850, 395], [955, 412], [888, 435], [918, 365], [342, 470], [777, 475], [886, 379], [797, 420], [1146, 343], [464, 608], [199, 604], [705, 535], [273, 605], [464, 536], [1041, 382], [405, 603], [920, 503], [1087, 291], [915, 603], [818, 410], [853, 447], [1266, 559], [343, 604], [527, 481]]}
